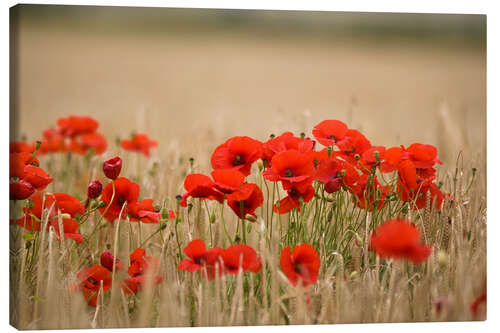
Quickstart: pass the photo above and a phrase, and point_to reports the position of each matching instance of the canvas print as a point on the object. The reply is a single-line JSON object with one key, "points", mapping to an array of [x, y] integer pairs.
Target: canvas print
{"points": [[215, 167]]}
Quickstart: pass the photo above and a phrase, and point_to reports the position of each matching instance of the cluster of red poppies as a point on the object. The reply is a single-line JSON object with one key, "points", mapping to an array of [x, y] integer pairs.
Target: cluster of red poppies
{"points": [[26, 175], [78, 134], [348, 161], [92, 279], [303, 264]]}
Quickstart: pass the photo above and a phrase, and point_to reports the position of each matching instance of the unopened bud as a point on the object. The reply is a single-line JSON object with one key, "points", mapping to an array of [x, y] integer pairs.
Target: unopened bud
{"points": [[212, 218], [260, 165], [65, 216], [442, 259], [94, 189], [112, 167]]}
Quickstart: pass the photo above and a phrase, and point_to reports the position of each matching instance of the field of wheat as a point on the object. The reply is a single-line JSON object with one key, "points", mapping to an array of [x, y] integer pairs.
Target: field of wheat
{"points": [[161, 180]]}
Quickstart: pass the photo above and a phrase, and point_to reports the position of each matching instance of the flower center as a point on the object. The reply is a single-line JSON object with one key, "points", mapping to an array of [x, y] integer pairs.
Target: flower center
{"points": [[92, 280], [199, 260], [298, 268], [288, 173], [238, 160], [332, 137], [120, 201]]}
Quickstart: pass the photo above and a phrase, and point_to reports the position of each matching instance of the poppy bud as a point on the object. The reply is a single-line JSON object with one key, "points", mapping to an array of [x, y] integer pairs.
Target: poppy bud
{"points": [[37, 145], [65, 216], [260, 165], [178, 197], [107, 260], [94, 189], [212, 218], [112, 167], [164, 213], [442, 259], [250, 218]]}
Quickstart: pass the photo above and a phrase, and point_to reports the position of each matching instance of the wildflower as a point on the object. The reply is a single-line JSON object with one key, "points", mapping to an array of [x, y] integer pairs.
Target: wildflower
{"points": [[140, 264], [91, 280], [292, 200], [107, 260], [112, 167], [303, 264], [20, 147], [18, 161], [399, 239], [284, 142], [241, 256], [20, 190], [237, 153], [83, 143], [292, 168], [94, 189], [36, 176], [76, 125], [209, 262], [227, 180], [335, 173], [354, 143], [328, 132], [423, 156], [370, 194], [143, 211], [200, 186], [140, 143], [52, 142], [126, 191], [246, 201]]}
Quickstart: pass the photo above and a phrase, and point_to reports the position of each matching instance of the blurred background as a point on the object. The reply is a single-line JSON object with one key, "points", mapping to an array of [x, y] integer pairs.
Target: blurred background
{"points": [[194, 77]]}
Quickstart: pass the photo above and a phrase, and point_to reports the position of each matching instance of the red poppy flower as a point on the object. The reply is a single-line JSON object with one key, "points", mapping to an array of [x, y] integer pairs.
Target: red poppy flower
{"points": [[399, 239], [81, 144], [36, 176], [62, 202], [292, 168], [393, 156], [227, 180], [237, 153], [139, 266], [140, 143], [246, 201], [292, 200], [20, 190], [240, 256], [20, 147], [91, 280], [352, 144], [209, 262], [303, 264], [423, 156], [18, 161], [329, 172], [143, 211], [52, 142], [369, 157], [107, 260], [200, 186], [328, 132], [126, 191], [284, 142], [112, 167], [76, 125], [372, 196], [70, 229]]}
